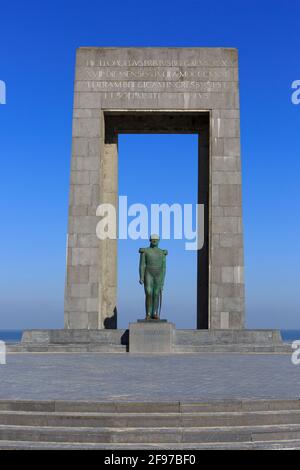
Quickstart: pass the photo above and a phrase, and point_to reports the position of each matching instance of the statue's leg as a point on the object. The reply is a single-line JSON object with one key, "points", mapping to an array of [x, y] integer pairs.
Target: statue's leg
{"points": [[157, 287], [156, 292], [148, 283]]}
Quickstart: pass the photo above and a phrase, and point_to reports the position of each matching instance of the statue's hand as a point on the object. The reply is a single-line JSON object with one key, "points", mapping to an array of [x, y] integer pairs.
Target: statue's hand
{"points": [[141, 281]]}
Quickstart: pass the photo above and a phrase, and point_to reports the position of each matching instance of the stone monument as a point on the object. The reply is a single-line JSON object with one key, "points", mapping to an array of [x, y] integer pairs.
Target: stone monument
{"points": [[155, 90]]}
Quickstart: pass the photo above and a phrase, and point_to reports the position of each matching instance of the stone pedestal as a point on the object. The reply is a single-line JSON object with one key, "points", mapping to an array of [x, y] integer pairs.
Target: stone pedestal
{"points": [[146, 336]]}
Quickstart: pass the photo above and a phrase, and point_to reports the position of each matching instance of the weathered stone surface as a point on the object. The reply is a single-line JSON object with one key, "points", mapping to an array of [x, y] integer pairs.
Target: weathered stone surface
{"points": [[225, 225], [78, 274], [225, 164], [151, 337], [226, 337], [232, 274], [226, 177], [230, 194], [86, 128]]}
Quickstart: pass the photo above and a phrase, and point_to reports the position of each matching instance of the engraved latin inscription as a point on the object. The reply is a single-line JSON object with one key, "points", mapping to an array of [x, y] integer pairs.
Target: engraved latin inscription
{"points": [[144, 79]]}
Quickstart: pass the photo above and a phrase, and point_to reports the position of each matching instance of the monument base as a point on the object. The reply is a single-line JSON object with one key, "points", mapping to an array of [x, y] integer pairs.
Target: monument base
{"points": [[151, 336], [151, 320], [183, 341]]}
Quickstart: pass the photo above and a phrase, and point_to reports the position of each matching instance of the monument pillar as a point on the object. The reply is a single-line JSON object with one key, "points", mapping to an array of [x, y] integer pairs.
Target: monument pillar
{"points": [[107, 313]]}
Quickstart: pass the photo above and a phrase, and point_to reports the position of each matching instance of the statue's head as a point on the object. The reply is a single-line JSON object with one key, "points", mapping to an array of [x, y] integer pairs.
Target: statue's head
{"points": [[154, 240]]}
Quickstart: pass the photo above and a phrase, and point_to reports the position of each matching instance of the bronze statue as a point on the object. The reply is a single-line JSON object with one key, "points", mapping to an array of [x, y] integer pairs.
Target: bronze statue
{"points": [[152, 275]]}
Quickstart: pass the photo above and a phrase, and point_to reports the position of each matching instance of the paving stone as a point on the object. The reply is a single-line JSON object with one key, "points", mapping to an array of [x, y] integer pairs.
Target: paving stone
{"points": [[120, 377]]}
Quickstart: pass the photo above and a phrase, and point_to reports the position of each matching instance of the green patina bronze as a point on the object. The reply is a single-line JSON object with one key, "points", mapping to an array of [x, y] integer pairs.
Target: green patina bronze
{"points": [[152, 275]]}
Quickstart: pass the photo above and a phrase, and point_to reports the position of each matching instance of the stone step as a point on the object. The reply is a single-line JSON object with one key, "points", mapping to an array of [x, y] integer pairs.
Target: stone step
{"points": [[120, 348], [73, 406], [225, 424], [148, 420], [67, 348], [244, 336], [266, 445], [150, 435], [233, 348], [104, 336], [185, 341]]}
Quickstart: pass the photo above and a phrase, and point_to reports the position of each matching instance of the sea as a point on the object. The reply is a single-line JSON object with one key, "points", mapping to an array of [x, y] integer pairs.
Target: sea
{"points": [[14, 336]]}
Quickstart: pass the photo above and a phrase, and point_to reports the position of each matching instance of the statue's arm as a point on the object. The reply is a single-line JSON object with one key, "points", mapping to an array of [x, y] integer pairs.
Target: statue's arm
{"points": [[164, 264], [142, 266]]}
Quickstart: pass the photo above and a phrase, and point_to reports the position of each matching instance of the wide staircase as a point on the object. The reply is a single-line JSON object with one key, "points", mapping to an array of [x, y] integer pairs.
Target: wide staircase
{"points": [[229, 424]]}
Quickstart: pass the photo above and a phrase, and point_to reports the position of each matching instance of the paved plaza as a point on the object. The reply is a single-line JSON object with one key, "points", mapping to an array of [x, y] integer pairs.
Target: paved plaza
{"points": [[117, 377]]}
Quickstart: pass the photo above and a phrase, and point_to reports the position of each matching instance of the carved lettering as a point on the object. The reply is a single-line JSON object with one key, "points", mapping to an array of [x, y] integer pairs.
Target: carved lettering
{"points": [[157, 63], [144, 79]]}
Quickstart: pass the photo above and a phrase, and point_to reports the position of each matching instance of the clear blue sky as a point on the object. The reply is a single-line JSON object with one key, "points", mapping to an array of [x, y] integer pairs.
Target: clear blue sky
{"points": [[37, 54]]}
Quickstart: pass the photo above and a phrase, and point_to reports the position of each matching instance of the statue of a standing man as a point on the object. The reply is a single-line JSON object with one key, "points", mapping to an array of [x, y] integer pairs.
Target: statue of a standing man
{"points": [[152, 275]]}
